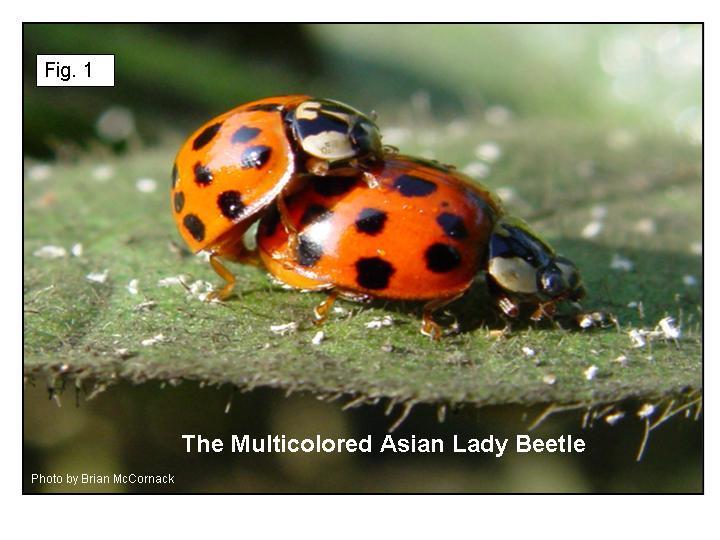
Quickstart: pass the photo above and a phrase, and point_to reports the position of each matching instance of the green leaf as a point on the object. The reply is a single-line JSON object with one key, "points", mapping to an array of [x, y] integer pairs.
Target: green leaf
{"points": [[642, 189]]}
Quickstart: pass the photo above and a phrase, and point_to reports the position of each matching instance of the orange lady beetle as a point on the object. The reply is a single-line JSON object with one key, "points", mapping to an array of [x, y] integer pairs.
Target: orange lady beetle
{"points": [[423, 235], [235, 165]]}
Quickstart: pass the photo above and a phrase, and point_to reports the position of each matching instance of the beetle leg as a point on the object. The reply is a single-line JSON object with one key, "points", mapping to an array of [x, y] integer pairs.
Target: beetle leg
{"points": [[429, 326], [321, 311], [287, 224], [544, 310], [224, 292]]}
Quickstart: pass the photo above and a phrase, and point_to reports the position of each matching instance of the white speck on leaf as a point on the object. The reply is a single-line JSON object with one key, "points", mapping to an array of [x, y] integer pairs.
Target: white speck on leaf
{"points": [[622, 360], [103, 173], [645, 226], [172, 280], [549, 379], [50, 252], [146, 185], [498, 115], [132, 286], [528, 351], [592, 229], [477, 169], [488, 151], [39, 172], [689, 281], [98, 277], [668, 328], [506, 194], [282, 329], [599, 211], [590, 372], [619, 262], [387, 320], [637, 338], [77, 250], [318, 338], [158, 338]]}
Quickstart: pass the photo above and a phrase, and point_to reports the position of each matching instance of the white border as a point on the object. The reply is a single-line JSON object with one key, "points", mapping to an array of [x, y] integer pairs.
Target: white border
{"points": [[344, 516]]}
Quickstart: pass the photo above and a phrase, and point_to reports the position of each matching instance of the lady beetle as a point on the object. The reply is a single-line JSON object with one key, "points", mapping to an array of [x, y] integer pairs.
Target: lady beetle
{"points": [[423, 235], [235, 165]]}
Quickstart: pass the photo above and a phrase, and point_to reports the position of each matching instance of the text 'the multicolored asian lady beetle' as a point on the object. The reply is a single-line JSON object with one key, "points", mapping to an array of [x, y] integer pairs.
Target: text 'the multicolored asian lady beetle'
{"points": [[423, 235], [237, 164]]}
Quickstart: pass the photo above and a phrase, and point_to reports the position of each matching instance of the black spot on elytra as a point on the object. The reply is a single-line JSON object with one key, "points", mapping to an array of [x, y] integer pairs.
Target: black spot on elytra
{"points": [[314, 213], [174, 175], [333, 186], [255, 157], [206, 136], [203, 175], [444, 204], [245, 134], [195, 227], [230, 203], [179, 201], [371, 221], [413, 186], [267, 107], [270, 221], [442, 258], [373, 273], [308, 251], [453, 225]]}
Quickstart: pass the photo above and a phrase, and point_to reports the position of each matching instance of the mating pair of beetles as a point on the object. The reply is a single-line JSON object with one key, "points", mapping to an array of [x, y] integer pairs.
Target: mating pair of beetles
{"points": [[341, 213]]}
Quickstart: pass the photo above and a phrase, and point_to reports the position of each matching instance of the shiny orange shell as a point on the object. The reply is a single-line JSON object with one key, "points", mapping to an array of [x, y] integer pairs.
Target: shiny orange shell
{"points": [[229, 170], [420, 234]]}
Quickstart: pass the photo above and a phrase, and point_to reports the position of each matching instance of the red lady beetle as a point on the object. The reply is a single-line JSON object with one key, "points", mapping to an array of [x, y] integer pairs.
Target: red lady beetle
{"points": [[423, 235], [235, 165]]}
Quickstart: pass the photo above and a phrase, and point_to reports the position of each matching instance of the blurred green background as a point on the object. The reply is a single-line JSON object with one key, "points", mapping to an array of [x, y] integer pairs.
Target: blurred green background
{"points": [[171, 78]]}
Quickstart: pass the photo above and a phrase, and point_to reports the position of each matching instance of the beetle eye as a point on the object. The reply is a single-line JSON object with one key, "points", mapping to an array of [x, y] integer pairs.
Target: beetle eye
{"points": [[552, 282]]}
